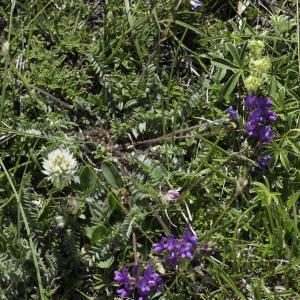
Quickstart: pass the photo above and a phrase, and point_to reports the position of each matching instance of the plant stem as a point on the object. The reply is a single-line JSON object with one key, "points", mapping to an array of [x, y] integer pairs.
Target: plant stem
{"points": [[6, 64], [298, 33]]}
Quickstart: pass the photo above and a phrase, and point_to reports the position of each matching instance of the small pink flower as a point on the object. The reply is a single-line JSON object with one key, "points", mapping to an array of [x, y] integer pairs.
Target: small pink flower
{"points": [[173, 195]]}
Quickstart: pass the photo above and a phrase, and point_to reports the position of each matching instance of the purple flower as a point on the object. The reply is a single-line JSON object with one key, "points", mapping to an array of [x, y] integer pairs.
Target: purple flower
{"points": [[263, 102], [259, 116], [171, 245], [263, 161], [124, 293], [188, 244], [265, 134], [250, 101], [271, 116], [123, 279], [145, 285], [177, 248], [173, 195], [233, 114], [165, 244], [149, 282], [196, 4]]}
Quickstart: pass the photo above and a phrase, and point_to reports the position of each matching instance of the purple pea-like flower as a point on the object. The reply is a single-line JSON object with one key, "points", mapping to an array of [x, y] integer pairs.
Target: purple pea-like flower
{"points": [[122, 277], [271, 116], [196, 4], [160, 246], [250, 101], [233, 114], [258, 117], [265, 134], [173, 195], [165, 244], [149, 282], [178, 248], [263, 162], [144, 285], [124, 293], [267, 102], [188, 244]]}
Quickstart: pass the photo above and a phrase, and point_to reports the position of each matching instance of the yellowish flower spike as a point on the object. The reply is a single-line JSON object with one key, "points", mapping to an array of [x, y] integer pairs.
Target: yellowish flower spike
{"points": [[256, 47], [260, 66], [253, 83]]}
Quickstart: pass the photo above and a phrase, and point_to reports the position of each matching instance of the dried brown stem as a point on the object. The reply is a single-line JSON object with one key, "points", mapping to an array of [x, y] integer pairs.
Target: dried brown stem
{"points": [[136, 261], [160, 221]]}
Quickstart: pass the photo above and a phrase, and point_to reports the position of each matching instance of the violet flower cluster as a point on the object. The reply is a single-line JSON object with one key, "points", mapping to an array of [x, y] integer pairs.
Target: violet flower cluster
{"points": [[259, 117], [258, 124], [177, 249], [233, 114], [144, 285], [263, 161], [133, 284]]}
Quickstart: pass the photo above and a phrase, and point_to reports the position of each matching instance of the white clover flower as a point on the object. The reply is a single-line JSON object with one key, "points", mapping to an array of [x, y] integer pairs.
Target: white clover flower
{"points": [[60, 167]]}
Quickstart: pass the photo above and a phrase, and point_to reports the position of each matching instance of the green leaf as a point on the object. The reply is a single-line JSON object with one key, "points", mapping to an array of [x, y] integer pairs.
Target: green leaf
{"points": [[88, 232], [221, 74], [243, 53], [232, 49], [105, 264], [111, 174], [263, 192], [113, 201], [88, 179], [225, 64], [98, 233], [284, 160], [292, 199], [231, 84]]}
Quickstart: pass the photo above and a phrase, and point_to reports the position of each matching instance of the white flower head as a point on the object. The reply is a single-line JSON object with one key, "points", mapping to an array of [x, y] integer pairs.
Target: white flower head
{"points": [[60, 167]]}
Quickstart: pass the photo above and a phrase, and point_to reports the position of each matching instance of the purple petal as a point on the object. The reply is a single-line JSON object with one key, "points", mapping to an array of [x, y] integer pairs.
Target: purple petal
{"points": [[250, 101], [233, 114], [266, 134], [263, 162]]}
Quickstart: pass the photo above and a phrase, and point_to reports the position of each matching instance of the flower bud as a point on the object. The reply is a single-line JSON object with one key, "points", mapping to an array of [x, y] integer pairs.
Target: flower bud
{"points": [[57, 224], [170, 196], [5, 49], [241, 184], [60, 221], [72, 205]]}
